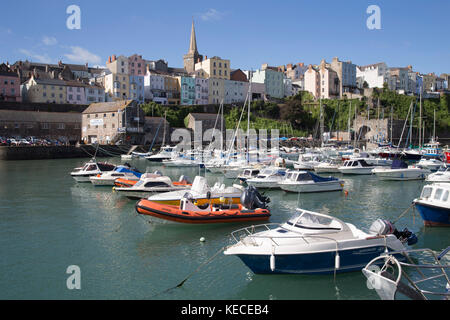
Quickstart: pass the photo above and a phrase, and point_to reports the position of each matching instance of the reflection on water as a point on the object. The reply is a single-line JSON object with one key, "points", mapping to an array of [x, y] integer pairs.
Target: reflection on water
{"points": [[49, 222]]}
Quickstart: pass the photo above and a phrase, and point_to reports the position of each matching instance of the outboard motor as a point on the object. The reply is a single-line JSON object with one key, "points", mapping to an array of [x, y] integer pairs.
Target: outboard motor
{"points": [[384, 227], [252, 199]]}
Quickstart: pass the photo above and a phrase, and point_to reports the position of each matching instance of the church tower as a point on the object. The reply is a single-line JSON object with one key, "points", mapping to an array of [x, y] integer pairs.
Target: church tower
{"points": [[192, 57]]}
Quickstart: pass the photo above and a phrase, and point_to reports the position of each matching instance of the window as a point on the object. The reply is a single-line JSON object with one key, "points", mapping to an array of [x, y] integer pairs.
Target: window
{"points": [[61, 126], [45, 126], [438, 194], [426, 192], [445, 197]]}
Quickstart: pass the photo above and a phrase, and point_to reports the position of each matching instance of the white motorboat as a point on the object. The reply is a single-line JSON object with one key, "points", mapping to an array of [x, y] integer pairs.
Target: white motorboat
{"points": [[314, 243], [268, 178], [151, 183], [442, 175], [434, 204], [401, 171], [91, 168], [371, 160], [108, 178], [308, 161], [431, 162], [166, 153], [306, 181], [329, 166], [249, 173], [202, 193], [356, 166]]}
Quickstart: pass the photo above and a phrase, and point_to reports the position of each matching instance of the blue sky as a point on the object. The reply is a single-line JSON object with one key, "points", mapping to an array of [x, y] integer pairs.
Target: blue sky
{"points": [[248, 33]]}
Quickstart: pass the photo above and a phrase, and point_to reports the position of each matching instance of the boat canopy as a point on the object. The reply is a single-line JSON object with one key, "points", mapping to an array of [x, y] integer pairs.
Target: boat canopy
{"points": [[316, 221], [399, 164], [308, 176], [128, 170]]}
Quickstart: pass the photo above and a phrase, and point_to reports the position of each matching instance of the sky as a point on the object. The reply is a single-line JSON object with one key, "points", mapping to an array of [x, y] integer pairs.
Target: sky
{"points": [[247, 32]]}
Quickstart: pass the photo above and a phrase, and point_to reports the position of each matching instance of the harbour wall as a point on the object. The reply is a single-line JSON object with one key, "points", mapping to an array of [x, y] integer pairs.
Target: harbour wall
{"points": [[59, 152]]}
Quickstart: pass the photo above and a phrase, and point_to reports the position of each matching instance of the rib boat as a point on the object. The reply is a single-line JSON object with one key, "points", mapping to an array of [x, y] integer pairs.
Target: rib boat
{"points": [[253, 207]]}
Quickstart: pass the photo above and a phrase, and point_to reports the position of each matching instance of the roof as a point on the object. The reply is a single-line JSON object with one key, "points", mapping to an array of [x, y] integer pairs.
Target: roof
{"points": [[39, 116], [108, 106]]}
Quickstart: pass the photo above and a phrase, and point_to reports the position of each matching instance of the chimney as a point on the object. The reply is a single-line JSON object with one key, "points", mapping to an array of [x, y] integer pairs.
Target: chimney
{"points": [[46, 68], [206, 57], [60, 63], [86, 64], [109, 59], [114, 58], [289, 66]]}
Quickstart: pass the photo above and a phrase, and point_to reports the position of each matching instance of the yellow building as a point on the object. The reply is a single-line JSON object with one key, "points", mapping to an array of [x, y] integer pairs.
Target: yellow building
{"points": [[215, 67], [216, 91], [45, 90], [117, 83], [172, 87]]}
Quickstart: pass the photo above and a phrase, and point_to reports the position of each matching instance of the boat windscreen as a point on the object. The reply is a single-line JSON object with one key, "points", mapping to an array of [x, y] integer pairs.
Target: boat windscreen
{"points": [[312, 221], [399, 164]]}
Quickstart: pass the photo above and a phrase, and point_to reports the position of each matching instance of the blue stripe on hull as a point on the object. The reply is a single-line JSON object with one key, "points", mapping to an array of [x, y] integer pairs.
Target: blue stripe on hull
{"points": [[313, 263], [435, 215]]}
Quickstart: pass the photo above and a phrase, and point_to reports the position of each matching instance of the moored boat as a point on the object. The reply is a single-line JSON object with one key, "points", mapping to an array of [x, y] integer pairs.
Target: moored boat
{"points": [[442, 175], [305, 181], [401, 171], [199, 192], [122, 171], [315, 243], [91, 168], [356, 166], [150, 184], [434, 205], [253, 207]]}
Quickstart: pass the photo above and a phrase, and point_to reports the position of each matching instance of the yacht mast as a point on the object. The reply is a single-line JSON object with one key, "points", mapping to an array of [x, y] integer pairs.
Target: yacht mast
{"points": [[420, 119]]}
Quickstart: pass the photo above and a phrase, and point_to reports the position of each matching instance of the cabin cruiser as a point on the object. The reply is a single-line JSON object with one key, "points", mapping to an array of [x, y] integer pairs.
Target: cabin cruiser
{"points": [[328, 166], [268, 178], [166, 153], [253, 207], [249, 173], [91, 168], [308, 161], [371, 160], [122, 171], [200, 191], [432, 163], [305, 181], [314, 243], [434, 204], [150, 184], [442, 175], [401, 171], [356, 166]]}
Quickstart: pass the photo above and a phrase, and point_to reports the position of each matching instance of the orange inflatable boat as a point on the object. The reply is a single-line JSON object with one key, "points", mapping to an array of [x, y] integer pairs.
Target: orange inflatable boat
{"points": [[252, 209]]}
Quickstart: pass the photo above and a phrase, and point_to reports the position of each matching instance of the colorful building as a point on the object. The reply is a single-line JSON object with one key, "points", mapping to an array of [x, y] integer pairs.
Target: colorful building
{"points": [[187, 90], [137, 88], [9, 84]]}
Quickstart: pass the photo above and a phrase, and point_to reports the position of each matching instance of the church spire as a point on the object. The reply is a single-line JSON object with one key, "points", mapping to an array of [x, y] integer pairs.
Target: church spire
{"points": [[193, 42]]}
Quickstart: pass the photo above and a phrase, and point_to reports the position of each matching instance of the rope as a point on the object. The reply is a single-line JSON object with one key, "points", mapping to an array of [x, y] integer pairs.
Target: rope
{"points": [[191, 274], [404, 212]]}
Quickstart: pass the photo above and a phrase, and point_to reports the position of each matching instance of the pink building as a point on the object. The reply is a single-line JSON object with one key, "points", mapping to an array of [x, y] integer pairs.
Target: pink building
{"points": [[136, 65], [9, 84]]}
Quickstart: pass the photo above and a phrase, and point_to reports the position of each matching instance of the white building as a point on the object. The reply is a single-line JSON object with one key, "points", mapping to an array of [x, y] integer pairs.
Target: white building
{"points": [[235, 91], [154, 89], [374, 74], [201, 90]]}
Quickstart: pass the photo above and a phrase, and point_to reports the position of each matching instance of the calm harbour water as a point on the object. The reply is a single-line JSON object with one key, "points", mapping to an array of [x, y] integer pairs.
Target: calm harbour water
{"points": [[49, 222]]}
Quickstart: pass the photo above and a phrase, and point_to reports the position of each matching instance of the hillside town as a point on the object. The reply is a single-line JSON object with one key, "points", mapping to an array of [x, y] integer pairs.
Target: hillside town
{"points": [[203, 80]]}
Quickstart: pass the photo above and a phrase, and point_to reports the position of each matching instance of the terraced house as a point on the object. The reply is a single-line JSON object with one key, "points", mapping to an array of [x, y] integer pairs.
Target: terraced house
{"points": [[9, 84]]}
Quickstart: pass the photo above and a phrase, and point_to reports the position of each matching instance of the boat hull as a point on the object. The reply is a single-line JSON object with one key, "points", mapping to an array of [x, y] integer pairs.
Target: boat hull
{"points": [[83, 178], [362, 171], [312, 187], [399, 174], [152, 211], [263, 184], [433, 216], [312, 263]]}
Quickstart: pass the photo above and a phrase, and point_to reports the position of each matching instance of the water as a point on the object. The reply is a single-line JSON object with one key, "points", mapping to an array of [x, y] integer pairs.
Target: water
{"points": [[49, 222]]}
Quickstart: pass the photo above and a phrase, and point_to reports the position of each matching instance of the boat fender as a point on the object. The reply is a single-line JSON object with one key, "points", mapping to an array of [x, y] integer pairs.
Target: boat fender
{"points": [[272, 262], [337, 261]]}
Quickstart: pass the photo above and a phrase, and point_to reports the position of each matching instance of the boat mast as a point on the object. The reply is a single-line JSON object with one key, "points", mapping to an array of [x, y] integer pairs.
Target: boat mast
{"points": [[248, 119], [348, 124], [392, 120], [434, 125], [164, 134], [420, 119], [321, 123]]}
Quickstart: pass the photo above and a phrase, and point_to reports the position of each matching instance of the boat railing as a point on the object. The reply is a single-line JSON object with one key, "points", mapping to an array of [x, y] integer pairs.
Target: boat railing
{"points": [[412, 288], [249, 234]]}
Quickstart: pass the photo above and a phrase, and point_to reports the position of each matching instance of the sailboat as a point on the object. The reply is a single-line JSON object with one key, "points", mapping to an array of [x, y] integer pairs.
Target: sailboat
{"points": [[166, 152]]}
